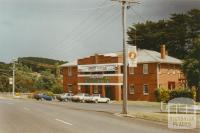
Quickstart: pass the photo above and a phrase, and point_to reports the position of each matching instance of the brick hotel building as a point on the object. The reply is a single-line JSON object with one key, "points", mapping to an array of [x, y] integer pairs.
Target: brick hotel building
{"points": [[103, 74]]}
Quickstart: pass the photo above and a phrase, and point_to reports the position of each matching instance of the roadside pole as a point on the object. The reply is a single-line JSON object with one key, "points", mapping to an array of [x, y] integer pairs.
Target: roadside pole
{"points": [[125, 4], [124, 9], [13, 83]]}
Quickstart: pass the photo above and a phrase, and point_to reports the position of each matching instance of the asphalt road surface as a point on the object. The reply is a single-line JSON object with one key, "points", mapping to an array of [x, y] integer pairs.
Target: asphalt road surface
{"points": [[18, 116]]}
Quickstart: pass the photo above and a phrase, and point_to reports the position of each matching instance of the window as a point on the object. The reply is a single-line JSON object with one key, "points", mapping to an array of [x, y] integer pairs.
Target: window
{"points": [[131, 70], [146, 90], [70, 87], [171, 85], [174, 69], [122, 69], [96, 90], [69, 71], [145, 69], [131, 89], [159, 67]]}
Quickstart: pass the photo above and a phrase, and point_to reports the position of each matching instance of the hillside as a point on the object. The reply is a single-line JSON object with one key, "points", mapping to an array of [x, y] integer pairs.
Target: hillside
{"points": [[38, 64], [28, 69]]}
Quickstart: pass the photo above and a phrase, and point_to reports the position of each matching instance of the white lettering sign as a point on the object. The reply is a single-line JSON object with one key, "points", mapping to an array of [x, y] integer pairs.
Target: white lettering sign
{"points": [[97, 68]]}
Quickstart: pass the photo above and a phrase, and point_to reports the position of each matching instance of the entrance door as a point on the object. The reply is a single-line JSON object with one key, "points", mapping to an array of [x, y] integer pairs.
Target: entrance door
{"points": [[171, 85], [109, 92]]}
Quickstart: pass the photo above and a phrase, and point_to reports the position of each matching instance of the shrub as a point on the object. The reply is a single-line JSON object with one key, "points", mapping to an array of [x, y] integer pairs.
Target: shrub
{"points": [[162, 94], [157, 94], [49, 93], [188, 93], [165, 95]]}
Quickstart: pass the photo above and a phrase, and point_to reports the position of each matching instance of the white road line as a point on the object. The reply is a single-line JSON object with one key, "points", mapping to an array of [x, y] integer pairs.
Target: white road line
{"points": [[63, 122], [27, 109], [10, 103]]}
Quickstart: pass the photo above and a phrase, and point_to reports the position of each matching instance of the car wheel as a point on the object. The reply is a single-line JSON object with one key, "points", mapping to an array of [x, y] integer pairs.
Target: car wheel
{"points": [[108, 101]]}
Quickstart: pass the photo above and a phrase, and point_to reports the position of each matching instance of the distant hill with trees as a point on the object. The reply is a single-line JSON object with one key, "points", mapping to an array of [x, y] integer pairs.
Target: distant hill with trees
{"points": [[38, 64], [32, 74]]}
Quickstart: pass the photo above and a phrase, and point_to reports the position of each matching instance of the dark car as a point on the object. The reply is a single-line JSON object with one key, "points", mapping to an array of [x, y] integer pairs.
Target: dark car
{"points": [[47, 98], [41, 96]]}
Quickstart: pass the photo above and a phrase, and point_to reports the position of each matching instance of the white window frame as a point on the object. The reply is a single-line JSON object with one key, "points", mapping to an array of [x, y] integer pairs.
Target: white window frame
{"points": [[131, 72], [130, 90], [144, 89], [145, 68], [69, 71]]}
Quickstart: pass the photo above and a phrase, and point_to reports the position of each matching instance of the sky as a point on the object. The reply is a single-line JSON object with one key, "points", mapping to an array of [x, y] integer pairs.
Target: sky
{"points": [[71, 29]]}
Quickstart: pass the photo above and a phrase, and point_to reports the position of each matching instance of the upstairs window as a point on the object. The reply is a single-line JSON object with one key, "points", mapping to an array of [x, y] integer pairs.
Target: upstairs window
{"points": [[159, 67], [145, 69], [69, 71], [131, 70]]}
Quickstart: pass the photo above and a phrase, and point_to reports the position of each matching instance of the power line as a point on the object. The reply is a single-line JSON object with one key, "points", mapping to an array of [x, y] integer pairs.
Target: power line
{"points": [[137, 14], [91, 28], [94, 30], [83, 22]]}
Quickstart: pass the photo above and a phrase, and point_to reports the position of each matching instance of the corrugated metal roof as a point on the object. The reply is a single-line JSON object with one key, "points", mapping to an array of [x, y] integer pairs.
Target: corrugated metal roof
{"points": [[144, 56], [72, 63], [153, 56]]}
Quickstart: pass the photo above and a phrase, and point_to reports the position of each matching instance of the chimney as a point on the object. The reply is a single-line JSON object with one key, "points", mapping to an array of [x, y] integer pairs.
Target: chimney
{"points": [[163, 51]]}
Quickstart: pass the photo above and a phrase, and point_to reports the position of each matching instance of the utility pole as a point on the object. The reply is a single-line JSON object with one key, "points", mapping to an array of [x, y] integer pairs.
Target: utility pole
{"points": [[13, 83], [125, 4]]}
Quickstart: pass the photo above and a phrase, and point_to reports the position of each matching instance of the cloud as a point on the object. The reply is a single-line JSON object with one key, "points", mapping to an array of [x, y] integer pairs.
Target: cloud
{"points": [[65, 29]]}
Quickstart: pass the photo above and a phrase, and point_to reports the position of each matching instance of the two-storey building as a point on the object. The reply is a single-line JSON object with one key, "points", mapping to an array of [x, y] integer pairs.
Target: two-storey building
{"points": [[103, 73]]}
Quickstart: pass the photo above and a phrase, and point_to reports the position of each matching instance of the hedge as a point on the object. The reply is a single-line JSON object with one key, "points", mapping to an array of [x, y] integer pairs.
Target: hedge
{"points": [[165, 95]]}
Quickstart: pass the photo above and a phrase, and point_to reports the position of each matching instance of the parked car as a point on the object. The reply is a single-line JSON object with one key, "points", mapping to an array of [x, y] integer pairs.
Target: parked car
{"points": [[64, 97], [80, 97], [97, 98], [46, 97], [42, 96], [38, 96]]}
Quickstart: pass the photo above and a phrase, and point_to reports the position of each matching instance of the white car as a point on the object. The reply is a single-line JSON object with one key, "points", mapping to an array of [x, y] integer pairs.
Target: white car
{"points": [[80, 97], [97, 98], [64, 97]]}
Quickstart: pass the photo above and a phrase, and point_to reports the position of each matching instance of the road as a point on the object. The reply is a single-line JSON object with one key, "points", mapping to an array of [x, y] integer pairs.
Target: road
{"points": [[19, 116]]}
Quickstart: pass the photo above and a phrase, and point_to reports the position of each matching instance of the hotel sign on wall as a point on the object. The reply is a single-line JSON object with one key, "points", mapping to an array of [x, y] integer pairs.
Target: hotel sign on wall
{"points": [[97, 79], [132, 56], [97, 68]]}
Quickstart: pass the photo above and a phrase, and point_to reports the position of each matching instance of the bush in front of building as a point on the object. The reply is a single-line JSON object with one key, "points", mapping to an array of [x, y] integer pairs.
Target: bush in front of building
{"points": [[188, 93], [165, 95], [162, 94]]}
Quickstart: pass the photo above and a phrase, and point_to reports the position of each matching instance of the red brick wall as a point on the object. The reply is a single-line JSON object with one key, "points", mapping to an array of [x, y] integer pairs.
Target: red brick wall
{"points": [[169, 73], [138, 79], [70, 79], [99, 59]]}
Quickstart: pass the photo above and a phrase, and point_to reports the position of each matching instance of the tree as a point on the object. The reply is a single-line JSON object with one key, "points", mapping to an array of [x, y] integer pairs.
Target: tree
{"points": [[191, 67], [178, 33], [48, 81]]}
